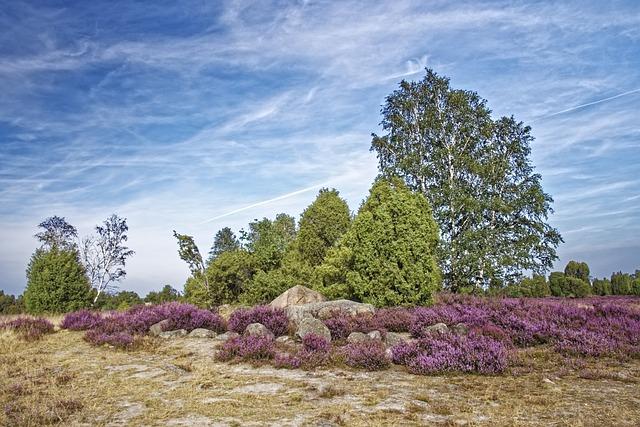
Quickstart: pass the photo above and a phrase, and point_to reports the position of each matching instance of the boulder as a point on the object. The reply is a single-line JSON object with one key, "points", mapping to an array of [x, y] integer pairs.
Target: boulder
{"points": [[202, 333], [173, 334], [298, 295], [438, 328], [394, 338], [326, 309], [158, 328], [375, 335], [257, 330], [311, 325], [355, 337], [460, 329]]}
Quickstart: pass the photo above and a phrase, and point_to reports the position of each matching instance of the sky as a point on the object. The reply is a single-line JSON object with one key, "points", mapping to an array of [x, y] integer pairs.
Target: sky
{"points": [[195, 115]]}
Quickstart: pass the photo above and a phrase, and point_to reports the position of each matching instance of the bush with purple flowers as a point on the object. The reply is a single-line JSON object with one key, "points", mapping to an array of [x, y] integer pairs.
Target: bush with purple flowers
{"points": [[81, 320], [247, 348], [121, 340], [369, 355], [29, 328], [274, 319]]}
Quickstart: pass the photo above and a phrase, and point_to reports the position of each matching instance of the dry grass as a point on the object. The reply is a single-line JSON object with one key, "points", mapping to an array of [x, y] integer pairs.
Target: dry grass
{"points": [[62, 380]]}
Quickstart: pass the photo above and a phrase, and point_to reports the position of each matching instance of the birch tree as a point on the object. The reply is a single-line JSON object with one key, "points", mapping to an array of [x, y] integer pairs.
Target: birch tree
{"points": [[477, 176], [104, 254], [189, 253]]}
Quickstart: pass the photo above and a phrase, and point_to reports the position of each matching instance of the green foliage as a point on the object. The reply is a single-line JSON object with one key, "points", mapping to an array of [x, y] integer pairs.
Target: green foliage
{"points": [[166, 294], [534, 287], [57, 233], [477, 176], [601, 286], [579, 270], [562, 285], [118, 301], [224, 241], [228, 276], [9, 304], [56, 282], [321, 225], [266, 286], [268, 240], [388, 256], [621, 283], [556, 281], [188, 252]]}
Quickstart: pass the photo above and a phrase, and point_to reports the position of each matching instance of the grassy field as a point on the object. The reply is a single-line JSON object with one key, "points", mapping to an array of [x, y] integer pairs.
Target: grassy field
{"points": [[61, 379]]}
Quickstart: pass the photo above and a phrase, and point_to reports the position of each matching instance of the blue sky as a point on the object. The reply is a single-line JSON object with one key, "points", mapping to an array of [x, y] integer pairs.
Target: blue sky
{"points": [[183, 115]]}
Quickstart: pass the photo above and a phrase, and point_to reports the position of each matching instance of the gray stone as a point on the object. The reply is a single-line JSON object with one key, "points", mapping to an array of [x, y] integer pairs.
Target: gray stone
{"points": [[393, 338], [310, 325], [375, 335], [438, 328], [285, 339], [202, 333], [173, 334], [355, 337], [158, 328], [326, 309], [257, 330], [227, 335], [298, 295], [460, 329]]}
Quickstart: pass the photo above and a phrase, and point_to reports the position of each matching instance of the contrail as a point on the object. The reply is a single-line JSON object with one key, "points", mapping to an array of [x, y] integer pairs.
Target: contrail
{"points": [[588, 104], [265, 202]]}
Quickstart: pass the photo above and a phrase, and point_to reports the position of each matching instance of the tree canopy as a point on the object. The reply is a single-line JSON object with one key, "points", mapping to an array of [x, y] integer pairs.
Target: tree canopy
{"points": [[477, 176]]}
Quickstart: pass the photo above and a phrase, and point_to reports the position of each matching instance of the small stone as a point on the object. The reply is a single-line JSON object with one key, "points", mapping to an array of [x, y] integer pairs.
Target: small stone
{"points": [[257, 330], [438, 328], [310, 325], [375, 335], [460, 329], [173, 334], [158, 328], [355, 337], [393, 338], [202, 333], [285, 339], [227, 335]]}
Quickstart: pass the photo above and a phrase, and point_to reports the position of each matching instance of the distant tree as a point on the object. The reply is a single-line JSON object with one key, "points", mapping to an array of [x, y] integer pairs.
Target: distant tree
{"points": [[189, 253], [601, 286], [322, 223], [556, 283], [118, 301], [388, 255], [167, 294], [225, 241], [228, 276], [579, 270], [621, 283], [104, 254], [56, 281], [477, 176], [535, 287], [268, 240], [574, 287], [9, 304], [635, 286], [57, 233]]}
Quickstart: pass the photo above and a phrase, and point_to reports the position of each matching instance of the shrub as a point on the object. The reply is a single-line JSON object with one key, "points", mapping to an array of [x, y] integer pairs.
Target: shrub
{"points": [[369, 355], [247, 348], [29, 328], [122, 340], [287, 361], [274, 319], [396, 319], [56, 282], [449, 352], [81, 320]]}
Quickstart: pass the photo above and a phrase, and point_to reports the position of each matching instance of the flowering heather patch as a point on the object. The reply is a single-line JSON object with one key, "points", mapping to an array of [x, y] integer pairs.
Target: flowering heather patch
{"points": [[122, 340], [341, 324], [275, 319], [286, 361], [450, 352], [596, 326], [369, 355], [396, 319], [29, 328], [247, 348], [81, 320]]}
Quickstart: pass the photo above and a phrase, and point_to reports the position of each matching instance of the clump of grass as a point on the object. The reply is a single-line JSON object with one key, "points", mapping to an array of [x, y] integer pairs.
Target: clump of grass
{"points": [[29, 328]]}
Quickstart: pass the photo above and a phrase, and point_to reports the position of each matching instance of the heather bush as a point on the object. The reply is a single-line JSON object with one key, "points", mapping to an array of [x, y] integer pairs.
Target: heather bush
{"points": [[450, 352], [287, 361], [121, 340], [396, 319], [274, 319], [81, 320], [29, 328], [369, 355], [247, 348]]}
